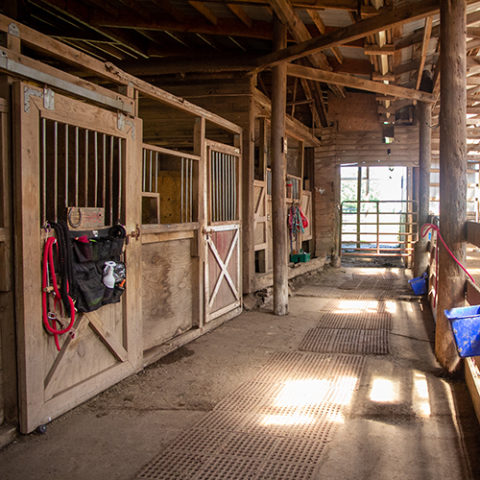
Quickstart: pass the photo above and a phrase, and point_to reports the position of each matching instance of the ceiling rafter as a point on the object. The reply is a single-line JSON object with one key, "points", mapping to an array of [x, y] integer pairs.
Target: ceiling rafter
{"points": [[204, 10], [388, 18], [241, 14], [287, 15], [80, 13], [358, 83], [423, 55]]}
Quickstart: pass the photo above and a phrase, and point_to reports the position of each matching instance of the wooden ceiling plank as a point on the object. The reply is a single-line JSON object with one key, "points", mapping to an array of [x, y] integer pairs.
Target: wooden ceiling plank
{"points": [[388, 18], [359, 83], [423, 55], [240, 13]]}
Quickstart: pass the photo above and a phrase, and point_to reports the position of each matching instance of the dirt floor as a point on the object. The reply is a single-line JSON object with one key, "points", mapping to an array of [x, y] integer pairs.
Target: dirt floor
{"points": [[403, 420]]}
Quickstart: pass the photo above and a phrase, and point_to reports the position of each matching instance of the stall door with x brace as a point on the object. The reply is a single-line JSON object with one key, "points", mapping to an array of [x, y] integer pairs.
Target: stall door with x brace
{"points": [[223, 236], [72, 154]]}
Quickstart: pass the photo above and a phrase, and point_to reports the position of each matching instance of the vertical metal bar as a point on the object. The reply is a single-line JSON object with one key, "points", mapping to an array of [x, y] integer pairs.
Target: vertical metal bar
{"points": [[76, 166], [191, 190], [225, 193], [66, 165], [182, 214], [185, 186], [96, 169], [213, 191], [55, 169], [232, 215], [156, 172], [211, 197], [144, 169], [110, 180], [104, 171], [150, 172], [378, 228], [235, 215], [120, 166], [219, 198], [86, 168], [44, 170]]}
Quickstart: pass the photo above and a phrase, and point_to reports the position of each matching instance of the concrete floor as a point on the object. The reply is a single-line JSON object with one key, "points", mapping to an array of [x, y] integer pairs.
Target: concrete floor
{"points": [[419, 425]]}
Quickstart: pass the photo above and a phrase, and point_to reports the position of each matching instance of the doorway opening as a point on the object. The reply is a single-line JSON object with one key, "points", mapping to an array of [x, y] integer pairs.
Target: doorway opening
{"points": [[378, 214]]}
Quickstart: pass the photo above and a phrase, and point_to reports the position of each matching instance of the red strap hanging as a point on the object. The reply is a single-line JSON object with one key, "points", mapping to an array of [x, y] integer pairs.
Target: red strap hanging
{"points": [[48, 266]]}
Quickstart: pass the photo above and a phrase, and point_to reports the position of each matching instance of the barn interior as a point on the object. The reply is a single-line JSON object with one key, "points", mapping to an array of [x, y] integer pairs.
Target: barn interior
{"points": [[211, 213]]}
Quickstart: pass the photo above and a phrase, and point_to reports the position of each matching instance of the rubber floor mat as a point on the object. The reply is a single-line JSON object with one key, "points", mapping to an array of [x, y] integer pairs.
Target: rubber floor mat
{"points": [[324, 340], [295, 403], [360, 321]]}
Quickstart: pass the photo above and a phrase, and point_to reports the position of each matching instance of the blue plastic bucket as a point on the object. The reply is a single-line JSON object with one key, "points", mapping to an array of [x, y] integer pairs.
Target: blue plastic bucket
{"points": [[419, 285], [465, 323]]}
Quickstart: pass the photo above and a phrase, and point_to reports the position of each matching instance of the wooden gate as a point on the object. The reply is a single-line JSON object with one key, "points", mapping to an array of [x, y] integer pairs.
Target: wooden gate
{"points": [[63, 162], [223, 258]]}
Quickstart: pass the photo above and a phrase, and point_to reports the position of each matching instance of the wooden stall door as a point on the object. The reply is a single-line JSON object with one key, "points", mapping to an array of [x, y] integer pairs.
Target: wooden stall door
{"points": [[223, 282], [70, 153]]}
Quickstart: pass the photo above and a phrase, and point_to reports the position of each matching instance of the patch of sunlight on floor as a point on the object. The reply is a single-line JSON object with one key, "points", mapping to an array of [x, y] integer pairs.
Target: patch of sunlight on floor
{"points": [[391, 306], [302, 394], [357, 306], [384, 391], [421, 399]]}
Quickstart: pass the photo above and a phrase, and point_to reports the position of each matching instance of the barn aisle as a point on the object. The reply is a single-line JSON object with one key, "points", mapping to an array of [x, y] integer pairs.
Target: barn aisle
{"points": [[345, 386]]}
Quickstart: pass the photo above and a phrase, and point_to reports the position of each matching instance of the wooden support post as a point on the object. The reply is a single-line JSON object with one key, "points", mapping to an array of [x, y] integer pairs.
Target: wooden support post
{"points": [[248, 214], [421, 257], [453, 166], [279, 213]]}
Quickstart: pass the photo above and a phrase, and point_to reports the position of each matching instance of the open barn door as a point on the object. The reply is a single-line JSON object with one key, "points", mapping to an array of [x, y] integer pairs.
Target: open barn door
{"points": [[71, 154], [223, 282]]}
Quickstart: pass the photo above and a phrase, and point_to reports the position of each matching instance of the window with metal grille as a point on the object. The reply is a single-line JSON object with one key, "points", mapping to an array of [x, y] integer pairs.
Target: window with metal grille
{"points": [[81, 168], [223, 186], [169, 186]]}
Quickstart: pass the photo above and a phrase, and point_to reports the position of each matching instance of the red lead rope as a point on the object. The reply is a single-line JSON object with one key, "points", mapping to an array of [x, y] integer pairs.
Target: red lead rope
{"points": [[48, 265], [424, 231]]}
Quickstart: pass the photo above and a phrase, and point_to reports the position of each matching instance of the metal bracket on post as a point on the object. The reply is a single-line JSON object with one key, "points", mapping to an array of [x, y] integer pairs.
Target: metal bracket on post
{"points": [[48, 99], [13, 30], [27, 93], [123, 120]]}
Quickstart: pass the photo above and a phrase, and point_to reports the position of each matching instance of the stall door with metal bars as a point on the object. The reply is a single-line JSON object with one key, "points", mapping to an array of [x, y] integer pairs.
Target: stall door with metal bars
{"points": [[223, 278], [72, 157]]}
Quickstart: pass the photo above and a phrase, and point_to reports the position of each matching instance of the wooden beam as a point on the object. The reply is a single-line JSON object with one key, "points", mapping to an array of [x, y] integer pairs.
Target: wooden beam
{"points": [[378, 77], [426, 40], [348, 5], [279, 213], [355, 82], [453, 166], [377, 50], [241, 14], [386, 19]]}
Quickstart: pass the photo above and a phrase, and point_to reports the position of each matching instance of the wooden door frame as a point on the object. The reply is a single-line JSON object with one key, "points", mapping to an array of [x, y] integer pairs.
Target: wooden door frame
{"points": [[34, 409]]}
